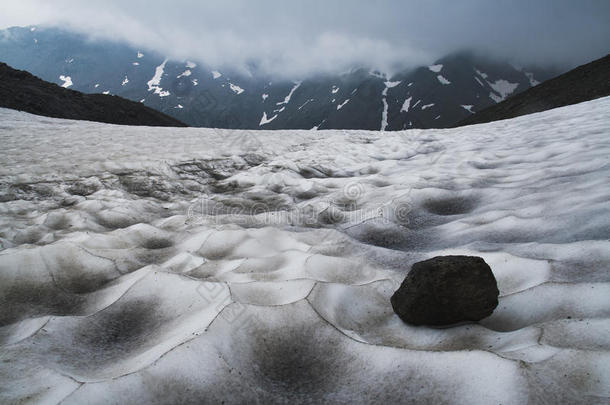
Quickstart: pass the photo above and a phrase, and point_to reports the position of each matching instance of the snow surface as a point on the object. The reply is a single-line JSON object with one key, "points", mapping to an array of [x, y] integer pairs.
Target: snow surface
{"points": [[186, 73], [216, 74], [265, 96], [125, 81], [156, 265], [435, 68], [67, 81], [140, 55], [423, 107]]}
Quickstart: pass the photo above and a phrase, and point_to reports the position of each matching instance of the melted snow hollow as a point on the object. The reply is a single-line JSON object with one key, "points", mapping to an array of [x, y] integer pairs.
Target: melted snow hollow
{"points": [[194, 265]]}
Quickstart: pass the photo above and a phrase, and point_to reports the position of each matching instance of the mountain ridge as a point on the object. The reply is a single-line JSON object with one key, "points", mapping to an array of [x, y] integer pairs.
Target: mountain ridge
{"points": [[20, 90], [439, 95], [583, 83]]}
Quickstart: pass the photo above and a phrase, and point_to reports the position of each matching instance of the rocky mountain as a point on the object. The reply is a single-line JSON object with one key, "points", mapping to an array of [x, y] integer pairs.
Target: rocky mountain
{"points": [[586, 82], [19, 90], [439, 95]]}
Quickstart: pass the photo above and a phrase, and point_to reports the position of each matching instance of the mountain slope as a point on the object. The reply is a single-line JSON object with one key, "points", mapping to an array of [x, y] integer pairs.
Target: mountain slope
{"points": [[586, 82], [202, 95], [20, 90]]}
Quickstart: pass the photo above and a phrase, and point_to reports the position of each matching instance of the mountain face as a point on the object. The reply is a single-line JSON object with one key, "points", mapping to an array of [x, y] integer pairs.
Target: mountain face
{"points": [[586, 82], [20, 90], [431, 96]]}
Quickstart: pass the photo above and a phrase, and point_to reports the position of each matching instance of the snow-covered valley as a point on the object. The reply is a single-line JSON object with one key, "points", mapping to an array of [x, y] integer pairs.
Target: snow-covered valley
{"points": [[151, 265]]}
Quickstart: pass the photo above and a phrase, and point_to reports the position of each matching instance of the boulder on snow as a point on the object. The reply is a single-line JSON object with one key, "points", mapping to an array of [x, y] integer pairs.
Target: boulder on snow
{"points": [[446, 290]]}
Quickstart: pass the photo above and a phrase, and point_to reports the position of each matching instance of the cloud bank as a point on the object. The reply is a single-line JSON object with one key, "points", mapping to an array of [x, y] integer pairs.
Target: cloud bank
{"points": [[303, 37]]}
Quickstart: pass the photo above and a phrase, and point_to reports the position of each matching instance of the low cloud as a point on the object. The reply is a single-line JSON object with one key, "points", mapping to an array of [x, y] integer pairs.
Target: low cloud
{"points": [[297, 38]]}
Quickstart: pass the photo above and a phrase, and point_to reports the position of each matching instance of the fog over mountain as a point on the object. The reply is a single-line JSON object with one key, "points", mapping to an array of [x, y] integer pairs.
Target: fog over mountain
{"points": [[300, 38]]}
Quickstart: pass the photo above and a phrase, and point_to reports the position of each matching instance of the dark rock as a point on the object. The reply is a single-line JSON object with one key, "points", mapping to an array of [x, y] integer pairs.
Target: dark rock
{"points": [[446, 290]]}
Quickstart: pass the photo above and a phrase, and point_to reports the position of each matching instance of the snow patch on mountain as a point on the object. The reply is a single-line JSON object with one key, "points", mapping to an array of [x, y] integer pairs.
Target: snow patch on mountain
{"points": [[289, 96], [265, 120], [530, 77], [136, 64], [406, 105], [154, 83], [186, 73], [236, 89], [334, 90], [442, 80], [125, 81], [340, 106], [384, 93], [264, 96], [67, 81], [190, 65], [468, 108], [483, 75], [140, 55], [423, 107], [216, 74], [504, 88], [195, 82], [305, 103], [436, 68]]}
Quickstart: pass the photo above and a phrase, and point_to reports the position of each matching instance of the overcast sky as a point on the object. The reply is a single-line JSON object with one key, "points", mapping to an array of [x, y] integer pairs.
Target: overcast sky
{"points": [[296, 37]]}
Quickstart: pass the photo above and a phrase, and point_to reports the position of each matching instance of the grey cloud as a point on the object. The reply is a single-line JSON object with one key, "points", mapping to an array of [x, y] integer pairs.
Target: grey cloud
{"points": [[299, 37]]}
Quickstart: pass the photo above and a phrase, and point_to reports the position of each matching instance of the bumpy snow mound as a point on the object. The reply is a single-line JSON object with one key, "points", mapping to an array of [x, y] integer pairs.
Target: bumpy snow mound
{"points": [[191, 265]]}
